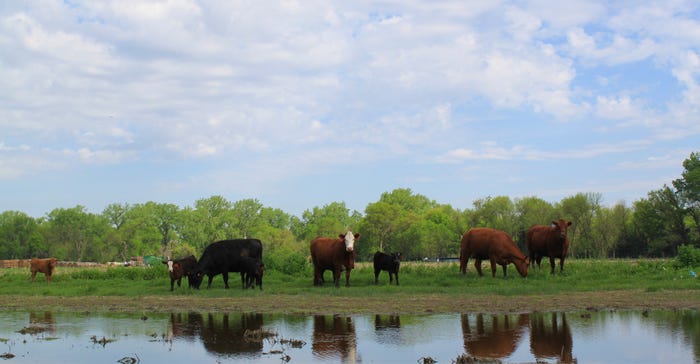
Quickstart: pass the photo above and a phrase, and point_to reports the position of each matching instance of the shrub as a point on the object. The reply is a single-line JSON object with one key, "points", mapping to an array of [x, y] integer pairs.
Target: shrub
{"points": [[286, 261], [688, 256]]}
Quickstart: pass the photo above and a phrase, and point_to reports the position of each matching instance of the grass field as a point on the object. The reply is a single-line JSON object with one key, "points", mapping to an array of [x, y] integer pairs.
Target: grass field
{"points": [[425, 287]]}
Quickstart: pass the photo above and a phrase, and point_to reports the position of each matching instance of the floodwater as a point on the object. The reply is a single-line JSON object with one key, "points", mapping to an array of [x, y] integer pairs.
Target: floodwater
{"points": [[584, 337]]}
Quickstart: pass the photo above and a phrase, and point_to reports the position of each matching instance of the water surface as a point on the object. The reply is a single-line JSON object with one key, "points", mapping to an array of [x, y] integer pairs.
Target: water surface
{"points": [[585, 337]]}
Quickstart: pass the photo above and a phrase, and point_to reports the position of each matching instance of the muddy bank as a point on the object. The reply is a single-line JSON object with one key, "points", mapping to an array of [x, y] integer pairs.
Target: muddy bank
{"points": [[330, 304]]}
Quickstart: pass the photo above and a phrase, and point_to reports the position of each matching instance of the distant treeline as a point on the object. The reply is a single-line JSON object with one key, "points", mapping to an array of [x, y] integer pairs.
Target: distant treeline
{"points": [[400, 220]]}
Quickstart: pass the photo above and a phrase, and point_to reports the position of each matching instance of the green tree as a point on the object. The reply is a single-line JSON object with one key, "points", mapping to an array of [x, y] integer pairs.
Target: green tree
{"points": [[581, 208], [20, 236], [688, 189], [497, 213], [75, 234], [246, 215], [659, 220], [330, 220]]}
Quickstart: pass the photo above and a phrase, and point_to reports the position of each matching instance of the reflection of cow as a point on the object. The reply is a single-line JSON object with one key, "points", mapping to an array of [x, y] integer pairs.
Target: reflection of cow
{"points": [[553, 340], [334, 338], [221, 334], [333, 254], [548, 241], [41, 322], [495, 341], [223, 257], [45, 266], [179, 268], [494, 245]]}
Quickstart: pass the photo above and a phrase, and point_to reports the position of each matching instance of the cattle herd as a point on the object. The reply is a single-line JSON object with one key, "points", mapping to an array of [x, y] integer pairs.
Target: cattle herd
{"points": [[244, 256]]}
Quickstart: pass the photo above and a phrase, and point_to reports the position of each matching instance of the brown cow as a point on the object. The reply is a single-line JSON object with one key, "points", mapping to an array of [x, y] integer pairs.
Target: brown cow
{"points": [[333, 254], [492, 244], [179, 268], [45, 266], [548, 241]]}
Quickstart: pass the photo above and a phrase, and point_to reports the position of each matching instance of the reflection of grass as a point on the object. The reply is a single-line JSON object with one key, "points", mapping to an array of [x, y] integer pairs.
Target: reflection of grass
{"points": [[422, 285], [3, 340]]}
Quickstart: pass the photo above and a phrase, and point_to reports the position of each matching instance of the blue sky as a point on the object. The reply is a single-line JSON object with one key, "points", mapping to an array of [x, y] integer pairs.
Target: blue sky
{"points": [[302, 103]]}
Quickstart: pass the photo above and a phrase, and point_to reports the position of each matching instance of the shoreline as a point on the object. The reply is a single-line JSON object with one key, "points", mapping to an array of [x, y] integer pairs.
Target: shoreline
{"points": [[396, 304]]}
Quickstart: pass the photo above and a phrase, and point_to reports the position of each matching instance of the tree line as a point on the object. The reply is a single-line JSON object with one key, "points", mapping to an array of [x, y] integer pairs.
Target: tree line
{"points": [[418, 227]]}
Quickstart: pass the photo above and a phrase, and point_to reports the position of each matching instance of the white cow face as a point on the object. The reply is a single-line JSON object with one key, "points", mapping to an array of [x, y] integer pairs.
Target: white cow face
{"points": [[349, 239]]}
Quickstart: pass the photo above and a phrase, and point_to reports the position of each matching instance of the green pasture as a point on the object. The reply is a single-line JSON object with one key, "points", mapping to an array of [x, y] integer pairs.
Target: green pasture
{"points": [[415, 278]]}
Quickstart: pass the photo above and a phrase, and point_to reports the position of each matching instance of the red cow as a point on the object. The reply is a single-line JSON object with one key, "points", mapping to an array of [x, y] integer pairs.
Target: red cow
{"points": [[181, 268], [495, 245], [333, 254], [45, 266], [548, 241]]}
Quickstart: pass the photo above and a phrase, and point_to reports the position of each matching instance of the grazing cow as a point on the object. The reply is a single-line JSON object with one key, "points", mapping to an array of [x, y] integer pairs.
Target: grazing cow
{"points": [[389, 263], [223, 257], [492, 244], [334, 254], [548, 241], [181, 268], [253, 271], [45, 266]]}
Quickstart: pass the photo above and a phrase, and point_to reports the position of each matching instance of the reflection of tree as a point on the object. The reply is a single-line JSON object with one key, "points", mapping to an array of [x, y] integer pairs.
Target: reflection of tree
{"points": [[334, 337], [386, 328], [496, 340], [684, 323], [221, 334], [553, 339]]}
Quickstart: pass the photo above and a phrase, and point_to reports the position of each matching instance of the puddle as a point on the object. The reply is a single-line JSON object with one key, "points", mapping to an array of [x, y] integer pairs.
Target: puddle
{"points": [[601, 337]]}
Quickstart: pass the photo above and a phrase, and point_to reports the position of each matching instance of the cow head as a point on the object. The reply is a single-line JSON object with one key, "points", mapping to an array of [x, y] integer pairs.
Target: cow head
{"points": [[561, 225], [349, 239]]}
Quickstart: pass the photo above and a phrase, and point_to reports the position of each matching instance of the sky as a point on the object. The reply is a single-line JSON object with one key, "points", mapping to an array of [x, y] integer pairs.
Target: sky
{"points": [[300, 104]]}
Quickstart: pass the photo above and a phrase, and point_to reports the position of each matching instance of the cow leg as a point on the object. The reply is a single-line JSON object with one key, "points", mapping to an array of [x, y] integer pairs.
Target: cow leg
{"points": [[33, 275], [172, 284], [225, 276], [211, 277], [505, 267], [477, 265], [179, 280], [336, 277], [48, 278], [347, 277], [493, 266], [552, 263], [244, 281], [561, 265], [376, 276]]}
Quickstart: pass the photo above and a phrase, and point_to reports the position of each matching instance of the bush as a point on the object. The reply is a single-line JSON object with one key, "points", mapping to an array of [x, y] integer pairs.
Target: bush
{"points": [[688, 256], [286, 261]]}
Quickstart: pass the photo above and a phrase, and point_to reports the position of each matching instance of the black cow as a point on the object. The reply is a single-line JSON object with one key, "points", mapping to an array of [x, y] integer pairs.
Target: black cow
{"points": [[179, 268], [389, 263], [223, 257], [253, 271]]}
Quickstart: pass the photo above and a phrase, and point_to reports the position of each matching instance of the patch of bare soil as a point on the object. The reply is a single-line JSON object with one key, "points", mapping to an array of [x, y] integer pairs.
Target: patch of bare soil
{"points": [[403, 303]]}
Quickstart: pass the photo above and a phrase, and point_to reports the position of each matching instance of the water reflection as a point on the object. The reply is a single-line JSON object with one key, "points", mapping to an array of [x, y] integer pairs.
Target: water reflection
{"points": [[550, 337], [221, 334], [604, 337], [334, 338], [492, 336]]}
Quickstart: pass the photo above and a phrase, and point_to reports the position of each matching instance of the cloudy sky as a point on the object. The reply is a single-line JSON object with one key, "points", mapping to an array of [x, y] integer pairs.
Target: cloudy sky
{"points": [[302, 103]]}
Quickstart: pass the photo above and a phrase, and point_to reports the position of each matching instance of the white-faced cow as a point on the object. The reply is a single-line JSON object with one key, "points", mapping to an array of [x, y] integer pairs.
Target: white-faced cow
{"points": [[333, 254]]}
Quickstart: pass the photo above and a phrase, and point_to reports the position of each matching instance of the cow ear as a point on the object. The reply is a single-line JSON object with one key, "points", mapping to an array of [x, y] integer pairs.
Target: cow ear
{"points": [[342, 236], [554, 223], [357, 236], [568, 223]]}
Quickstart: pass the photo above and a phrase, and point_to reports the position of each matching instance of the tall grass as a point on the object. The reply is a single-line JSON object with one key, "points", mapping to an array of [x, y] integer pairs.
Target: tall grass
{"points": [[415, 278]]}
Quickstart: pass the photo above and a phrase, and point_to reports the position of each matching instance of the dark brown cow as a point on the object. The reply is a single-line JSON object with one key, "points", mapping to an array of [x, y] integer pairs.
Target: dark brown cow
{"points": [[45, 266], [333, 254], [494, 245], [548, 241]]}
